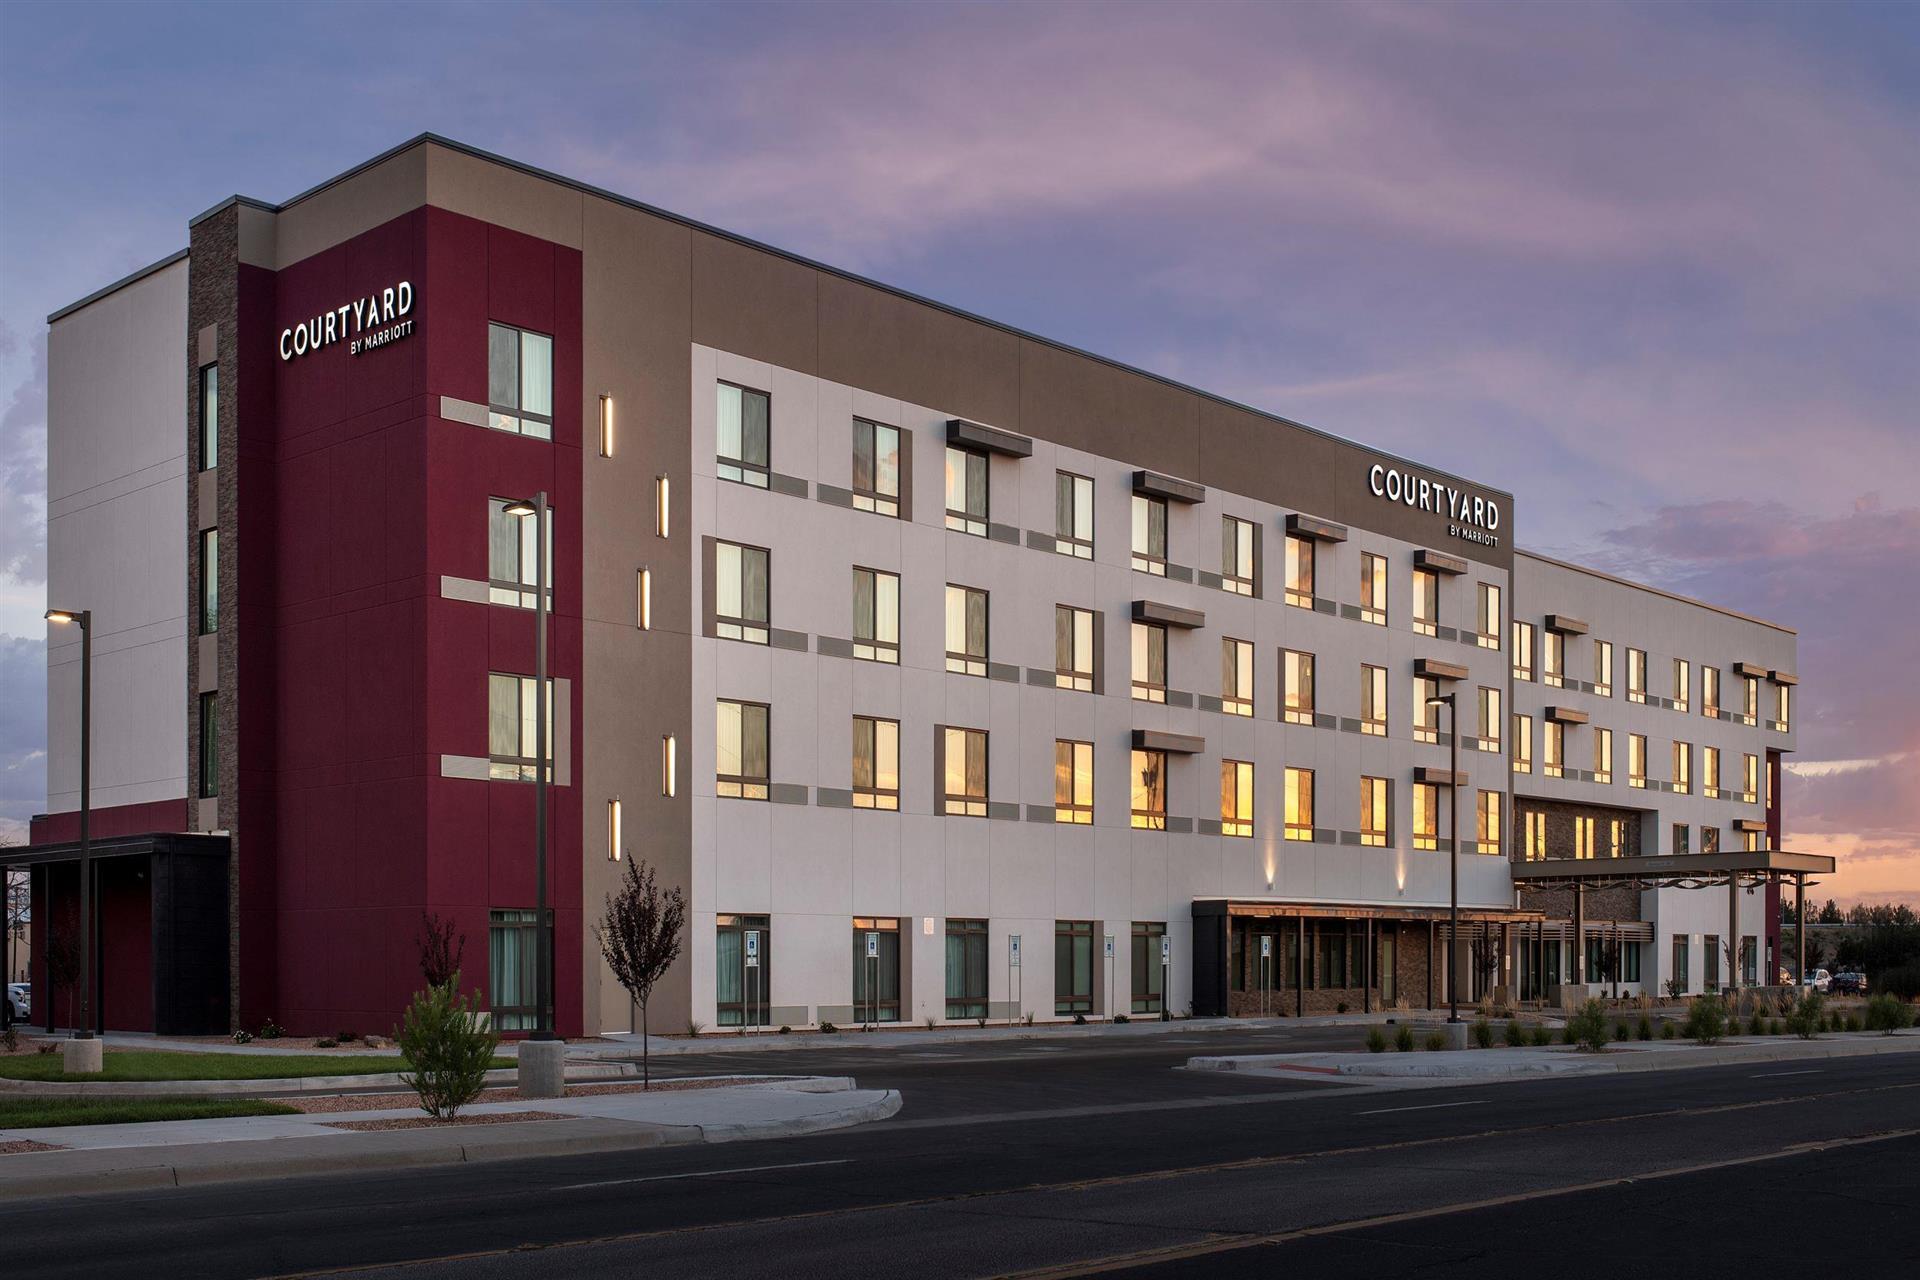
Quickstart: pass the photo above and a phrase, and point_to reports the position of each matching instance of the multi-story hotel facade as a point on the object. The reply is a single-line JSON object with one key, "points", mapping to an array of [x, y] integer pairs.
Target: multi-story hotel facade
{"points": [[953, 673]]}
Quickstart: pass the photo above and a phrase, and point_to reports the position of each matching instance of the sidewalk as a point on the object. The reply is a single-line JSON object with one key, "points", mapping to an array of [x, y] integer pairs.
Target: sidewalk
{"points": [[1512, 1064], [189, 1152]]}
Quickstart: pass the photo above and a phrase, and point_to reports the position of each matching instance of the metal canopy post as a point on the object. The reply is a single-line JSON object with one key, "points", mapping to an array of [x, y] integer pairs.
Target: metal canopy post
{"points": [[1800, 929]]}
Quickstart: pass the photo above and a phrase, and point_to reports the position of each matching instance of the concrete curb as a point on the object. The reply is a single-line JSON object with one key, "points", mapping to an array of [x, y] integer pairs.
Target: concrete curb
{"points": [[578, 1072], [39, 1175]]}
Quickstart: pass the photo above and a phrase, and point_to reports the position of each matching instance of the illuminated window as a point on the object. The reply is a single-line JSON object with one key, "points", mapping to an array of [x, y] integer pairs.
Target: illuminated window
{"points": [[1150, 534], [963, 773], [1710, 691], [1426, 715], [1376, 806], [1073, 515], [1486, 825], [1236, 798], [1373, 701], [1491, 719], [967, 491], [1782, 707], [1150, 790], [1373, 589], [1300, 572], [1750, 703], [513, 557], [1710, 772], [740, 448], [1426, 815], [1636, 675], [1637, 760], [1299, 804], [519, 381], [1297, 676], [1616, 837], [1426, 602], [1553, 749], [1752, 776], [740, 593], [1522, 650], [1553, 659], [1709, 839], [512, 735], [1603, 667], [1149, 662], [1602, 755], [1583, 844], [1683, 767], [1682, 683], [1236, 677], [1522, 744], [1073, 649], [1236, 555], [1072, 782], [876, 615], [1490, 622], [966, 631], [1536, 835], [876, 763], [740, 768], [876, 468]]}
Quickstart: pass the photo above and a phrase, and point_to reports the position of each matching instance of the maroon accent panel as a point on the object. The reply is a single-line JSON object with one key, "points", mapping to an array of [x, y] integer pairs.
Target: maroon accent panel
{"points": [[126, 943], [116, 820]]}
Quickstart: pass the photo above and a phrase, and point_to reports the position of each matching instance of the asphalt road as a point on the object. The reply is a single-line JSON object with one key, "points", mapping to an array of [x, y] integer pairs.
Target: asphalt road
{"points": [[1092, 1157]]}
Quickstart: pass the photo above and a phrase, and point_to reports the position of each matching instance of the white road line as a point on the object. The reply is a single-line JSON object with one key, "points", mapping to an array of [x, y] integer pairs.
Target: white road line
{"points": [[1774, 1075], [707, 1173], [1431, 1106]]}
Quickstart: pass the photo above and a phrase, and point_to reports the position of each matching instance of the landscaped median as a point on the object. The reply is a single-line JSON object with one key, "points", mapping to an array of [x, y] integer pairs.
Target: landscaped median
{"points": [[123, 1065]]}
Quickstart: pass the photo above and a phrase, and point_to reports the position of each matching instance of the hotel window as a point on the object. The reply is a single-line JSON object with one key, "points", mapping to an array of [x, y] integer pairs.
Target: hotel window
{"points": [[1236, 677], [1299, 804], [1683, 767], [1236, 555], [1149, 662], [1150, 535], [1602, 755], [519, 381], [1373, 589], [1486, 823], [1636, 675], [1553, 749], [1426, 602], [740, 593], [1236, 798], [1522, 744], [1072, 967], [209, 417], [209, 581], [1490, 719], [1752, 776], [1710, 691], [1536, 835], [1583, 840], [1149, 979], [1752, 841], [876, 468], [1330, 941], [966, 631], [876, 615], [1682, 683], [1073, 782], [740, 993], [209, 745], [1710, 772], [1637, 760], [1522, 650], [967, 491], [1073, 651], [1749, 960], [1300, 572], [1426, 815], [1782, 706], [1150, 790], [876, 980], [1680, 960], [740, 441], [963, 773], [1296, 677], [876, 763], [513, 557], [1489, 615], [1376, 808], [1616, 837], [966, 968], [1553, 659], [511, 737], [1603, 667], [1750, 703], [512, 978], [1709, 839], [1373, 701], [1073, 515], [1679, 837], [740, 750], [1710, 945], [1426, 716]]}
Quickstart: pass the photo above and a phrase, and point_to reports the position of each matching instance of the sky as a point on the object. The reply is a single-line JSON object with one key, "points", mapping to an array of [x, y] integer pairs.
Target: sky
{"points": [[1654, 266]]}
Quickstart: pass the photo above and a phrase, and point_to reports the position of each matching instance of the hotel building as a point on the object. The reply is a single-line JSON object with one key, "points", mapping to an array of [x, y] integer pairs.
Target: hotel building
{"points": [[953, 673]]}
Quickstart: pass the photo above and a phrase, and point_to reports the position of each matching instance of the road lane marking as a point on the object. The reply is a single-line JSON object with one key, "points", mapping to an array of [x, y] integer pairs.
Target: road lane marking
{"points": [[1775, 1075], [705, 1173], [1431, 1106]]}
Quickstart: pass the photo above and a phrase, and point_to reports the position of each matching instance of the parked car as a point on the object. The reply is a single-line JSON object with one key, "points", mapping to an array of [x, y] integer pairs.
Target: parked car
{"points": [[1848, 984], [1819, 980], [19, 1003]]}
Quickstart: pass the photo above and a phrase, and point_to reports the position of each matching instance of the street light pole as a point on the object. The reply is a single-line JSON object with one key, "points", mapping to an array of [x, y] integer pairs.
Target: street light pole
{"points": [[1453, 818], [543, 933], [84, 617]]}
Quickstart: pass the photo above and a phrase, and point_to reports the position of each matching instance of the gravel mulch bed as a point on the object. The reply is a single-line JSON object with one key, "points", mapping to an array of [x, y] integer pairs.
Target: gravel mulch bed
{"points": [[386, 1101], [22, 1146], [428, 1122]]}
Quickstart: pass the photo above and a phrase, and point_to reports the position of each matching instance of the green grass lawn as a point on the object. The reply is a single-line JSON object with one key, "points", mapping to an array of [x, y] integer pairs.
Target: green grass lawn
{"points": [[157, 1064], [36, 1113]]}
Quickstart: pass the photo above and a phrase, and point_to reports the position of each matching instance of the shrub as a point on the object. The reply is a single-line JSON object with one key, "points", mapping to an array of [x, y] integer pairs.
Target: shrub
{"points": [[47, 1046], [1079, 1019], [1588, 1027], [1888, 1014], [1645, 1029], [930, 1021], [1121, 1018], [785, 1030], [346, 1037], [1804, 1020], [1676, 987], [271, 1030], [1027, 1018], [10, 1039], [1707, 1020], [1756, 1025], [1542, 1035], [1566, 1033], [243, 1037], [1667, 1031], [695, 1026], [1516, 1035], [448, 1048], [1622, 1032], [1482, 1033], [1436, 1041], [1403, 1039], [982, 1021], [827, 1028], [326, 1042], [1853, 1022], [1376, 1040], [1340, 1007]]}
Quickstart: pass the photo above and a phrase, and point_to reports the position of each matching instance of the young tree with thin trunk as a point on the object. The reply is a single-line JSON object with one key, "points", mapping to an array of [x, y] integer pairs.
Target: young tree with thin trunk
{"points": [[639, 935]]}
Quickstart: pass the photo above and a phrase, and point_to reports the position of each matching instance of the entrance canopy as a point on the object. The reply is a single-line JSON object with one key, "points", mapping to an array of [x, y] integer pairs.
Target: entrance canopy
{"points": [[1671, 871], [1290, 910]]}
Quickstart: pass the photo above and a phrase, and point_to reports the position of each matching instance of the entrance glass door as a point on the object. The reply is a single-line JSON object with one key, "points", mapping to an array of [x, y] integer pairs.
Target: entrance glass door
{"points": [[1386, 965]]}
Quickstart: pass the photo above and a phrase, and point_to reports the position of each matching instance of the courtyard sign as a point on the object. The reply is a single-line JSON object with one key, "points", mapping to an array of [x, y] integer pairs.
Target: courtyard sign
{"points": [[1469, 516], [363, 324]]}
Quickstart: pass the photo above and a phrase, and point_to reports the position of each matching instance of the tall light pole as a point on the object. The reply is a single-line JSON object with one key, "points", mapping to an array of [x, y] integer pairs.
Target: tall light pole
{"points": [[543, 934], [1453, 818], [84, 618]]}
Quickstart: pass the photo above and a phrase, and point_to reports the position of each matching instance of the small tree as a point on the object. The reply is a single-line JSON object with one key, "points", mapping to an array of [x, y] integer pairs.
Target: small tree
{"points": [[1707, 1019], [447, 1048], [639, 935], [441, 950], [1588, 1027], [1805, 1017], [63, 969], [1484, 951]]}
